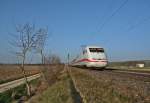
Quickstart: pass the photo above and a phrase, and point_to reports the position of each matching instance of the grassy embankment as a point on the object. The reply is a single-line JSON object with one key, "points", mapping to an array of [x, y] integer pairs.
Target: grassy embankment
{"points": [[100, 91], [62, 91]]}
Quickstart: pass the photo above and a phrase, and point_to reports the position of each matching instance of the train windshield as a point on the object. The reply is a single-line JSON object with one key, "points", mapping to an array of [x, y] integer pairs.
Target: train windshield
{"points": [[96, 50]]}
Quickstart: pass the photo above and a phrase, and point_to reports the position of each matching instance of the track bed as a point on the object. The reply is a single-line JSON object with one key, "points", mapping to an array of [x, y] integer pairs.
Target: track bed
{"points": [[110, 85]]}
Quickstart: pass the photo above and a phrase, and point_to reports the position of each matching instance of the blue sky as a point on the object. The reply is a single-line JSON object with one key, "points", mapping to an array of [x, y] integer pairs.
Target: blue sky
{"points": [[72, 23]]}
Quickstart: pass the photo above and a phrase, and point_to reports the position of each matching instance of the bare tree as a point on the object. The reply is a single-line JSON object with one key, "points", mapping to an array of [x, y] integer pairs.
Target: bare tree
{"points": [[26, 39], [53, 59], [42, 36], [52, 72]]}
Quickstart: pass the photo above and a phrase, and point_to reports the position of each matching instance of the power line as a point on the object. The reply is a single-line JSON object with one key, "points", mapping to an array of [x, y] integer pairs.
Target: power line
{"points": [[105, 14], [139, 23], [113, 14], [102, 18]]}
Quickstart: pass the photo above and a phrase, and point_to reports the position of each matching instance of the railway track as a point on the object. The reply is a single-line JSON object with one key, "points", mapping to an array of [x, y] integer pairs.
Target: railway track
{"points": [[131, 84], [6, 86], [136, 75], [131, 72], [123, 75]]}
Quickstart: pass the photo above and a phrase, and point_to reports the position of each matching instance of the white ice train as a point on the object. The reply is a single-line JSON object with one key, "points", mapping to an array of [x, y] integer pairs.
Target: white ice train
{"points": [[91, 56]]}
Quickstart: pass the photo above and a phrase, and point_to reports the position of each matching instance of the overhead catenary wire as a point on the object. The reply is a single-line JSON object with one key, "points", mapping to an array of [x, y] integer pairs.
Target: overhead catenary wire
{"points": [[109, 8], [112, 15], [139, 23], [105, 13]]}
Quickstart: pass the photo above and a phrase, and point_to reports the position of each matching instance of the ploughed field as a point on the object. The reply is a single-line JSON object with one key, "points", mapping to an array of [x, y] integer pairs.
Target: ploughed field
{"points": [[12, 72], [109, 86]]}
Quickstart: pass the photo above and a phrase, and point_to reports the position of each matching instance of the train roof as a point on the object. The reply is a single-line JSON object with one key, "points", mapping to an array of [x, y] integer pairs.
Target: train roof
{"points": [[89, 46]]}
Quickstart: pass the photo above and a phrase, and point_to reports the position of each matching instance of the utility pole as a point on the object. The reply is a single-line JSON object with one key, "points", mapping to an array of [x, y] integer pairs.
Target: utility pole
{"points": [[68, 57]]}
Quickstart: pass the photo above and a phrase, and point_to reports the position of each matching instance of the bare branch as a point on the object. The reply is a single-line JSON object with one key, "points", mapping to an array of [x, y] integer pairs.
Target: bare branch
{"points": [[26, 39]]}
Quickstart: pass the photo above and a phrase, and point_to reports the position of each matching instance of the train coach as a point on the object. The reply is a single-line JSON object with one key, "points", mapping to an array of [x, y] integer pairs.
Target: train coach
{"points": [[91, 56]]}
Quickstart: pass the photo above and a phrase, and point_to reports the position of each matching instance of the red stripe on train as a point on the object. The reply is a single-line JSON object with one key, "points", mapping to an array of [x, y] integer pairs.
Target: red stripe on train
{"points": [[89, 60]]}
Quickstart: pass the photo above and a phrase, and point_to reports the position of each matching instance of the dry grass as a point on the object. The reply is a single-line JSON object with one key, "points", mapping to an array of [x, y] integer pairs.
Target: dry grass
{"points": [[11, 72], [54, 78], [144, 69], [59, 92], [104, 89]]}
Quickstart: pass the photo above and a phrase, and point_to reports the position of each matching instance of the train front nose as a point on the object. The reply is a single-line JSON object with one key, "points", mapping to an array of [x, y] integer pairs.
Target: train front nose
{"points": [[97, 63]]}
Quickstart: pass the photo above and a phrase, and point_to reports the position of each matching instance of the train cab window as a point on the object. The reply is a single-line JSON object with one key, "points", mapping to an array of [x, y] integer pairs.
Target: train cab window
{"points": [[96, 50]]}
